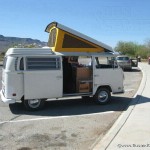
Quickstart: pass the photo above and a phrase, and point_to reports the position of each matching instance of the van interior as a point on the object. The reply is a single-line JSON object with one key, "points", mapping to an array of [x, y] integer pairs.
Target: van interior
{"points": [[77, 75]]}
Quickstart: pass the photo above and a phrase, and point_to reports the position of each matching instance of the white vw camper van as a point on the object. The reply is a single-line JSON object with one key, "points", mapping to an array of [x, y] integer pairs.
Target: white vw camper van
{"points": [[35, 75]]}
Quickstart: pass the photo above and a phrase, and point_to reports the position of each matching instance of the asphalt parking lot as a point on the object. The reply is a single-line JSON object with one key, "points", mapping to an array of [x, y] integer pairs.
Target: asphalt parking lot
{"points": [[64, 124]]}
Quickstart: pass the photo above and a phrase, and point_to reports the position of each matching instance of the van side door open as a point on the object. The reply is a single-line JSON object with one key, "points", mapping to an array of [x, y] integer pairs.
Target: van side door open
{"points": [[43, 77]]}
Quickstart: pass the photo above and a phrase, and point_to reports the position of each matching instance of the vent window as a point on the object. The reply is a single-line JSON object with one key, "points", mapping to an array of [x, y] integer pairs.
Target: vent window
{"points": [[41, 63]]}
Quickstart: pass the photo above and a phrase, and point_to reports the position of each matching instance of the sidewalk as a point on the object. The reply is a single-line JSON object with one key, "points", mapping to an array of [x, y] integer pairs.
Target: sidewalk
{"points": [[132, 130]]}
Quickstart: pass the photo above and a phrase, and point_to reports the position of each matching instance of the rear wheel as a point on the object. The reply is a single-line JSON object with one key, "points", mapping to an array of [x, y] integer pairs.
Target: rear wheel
{"points": [[34, 104], [102, 96]]}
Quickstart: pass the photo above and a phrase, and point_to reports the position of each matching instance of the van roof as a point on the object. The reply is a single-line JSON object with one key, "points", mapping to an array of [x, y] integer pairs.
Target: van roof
{"points": [[48, 51], [74, 36], [29, 51]]}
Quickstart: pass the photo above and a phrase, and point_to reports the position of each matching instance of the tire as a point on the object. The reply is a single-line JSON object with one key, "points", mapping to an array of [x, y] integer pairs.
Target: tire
{"points": [[102, 96], [34, 104]]}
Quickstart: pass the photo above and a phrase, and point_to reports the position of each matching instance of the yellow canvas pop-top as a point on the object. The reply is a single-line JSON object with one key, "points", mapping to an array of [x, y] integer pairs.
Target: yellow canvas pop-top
{"points": [[64, 39]]}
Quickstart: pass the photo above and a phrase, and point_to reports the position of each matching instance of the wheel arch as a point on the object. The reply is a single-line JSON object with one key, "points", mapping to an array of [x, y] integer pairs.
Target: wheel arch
{"points": [[105, 86]]}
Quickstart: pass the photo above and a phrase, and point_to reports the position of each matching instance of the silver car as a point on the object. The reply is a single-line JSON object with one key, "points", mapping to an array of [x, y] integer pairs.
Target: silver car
{"points": [[124, 62]]}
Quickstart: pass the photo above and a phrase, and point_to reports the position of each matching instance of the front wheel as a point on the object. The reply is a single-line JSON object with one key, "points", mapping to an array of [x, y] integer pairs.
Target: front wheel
{"points": [[34, 104], [102, 96]]}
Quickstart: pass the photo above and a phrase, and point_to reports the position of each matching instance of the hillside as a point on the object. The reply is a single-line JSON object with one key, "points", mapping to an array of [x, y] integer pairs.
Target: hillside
{"points": [[7, 42]]}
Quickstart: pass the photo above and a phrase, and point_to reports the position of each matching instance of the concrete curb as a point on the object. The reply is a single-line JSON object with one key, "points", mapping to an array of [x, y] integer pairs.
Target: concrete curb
{"points": [[114, 130]]}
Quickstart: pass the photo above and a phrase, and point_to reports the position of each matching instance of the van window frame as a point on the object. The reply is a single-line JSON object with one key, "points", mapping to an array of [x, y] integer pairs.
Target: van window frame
{"points": [[102, 63], [21, 65], [50, 69]]}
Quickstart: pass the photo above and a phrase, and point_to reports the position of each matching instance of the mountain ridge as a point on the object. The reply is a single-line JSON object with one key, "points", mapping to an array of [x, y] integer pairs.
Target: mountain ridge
{"points": [[8, 41]]}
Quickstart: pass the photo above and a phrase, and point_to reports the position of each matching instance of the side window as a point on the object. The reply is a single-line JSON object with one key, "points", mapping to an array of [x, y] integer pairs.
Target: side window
{"points": [[21, 66], [85, 60], [43, 63], [103, 62]]}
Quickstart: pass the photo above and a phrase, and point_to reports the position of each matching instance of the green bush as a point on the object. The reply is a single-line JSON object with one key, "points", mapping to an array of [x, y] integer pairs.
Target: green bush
{"points": [[133, 49]]}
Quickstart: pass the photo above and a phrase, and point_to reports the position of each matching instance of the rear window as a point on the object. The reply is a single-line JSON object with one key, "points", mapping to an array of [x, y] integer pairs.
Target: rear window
{"points": [[122, 58], [43, 63]]}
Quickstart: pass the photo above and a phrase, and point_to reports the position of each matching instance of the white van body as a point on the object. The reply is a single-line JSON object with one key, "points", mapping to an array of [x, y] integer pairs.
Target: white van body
{"points": [[31, 75]]}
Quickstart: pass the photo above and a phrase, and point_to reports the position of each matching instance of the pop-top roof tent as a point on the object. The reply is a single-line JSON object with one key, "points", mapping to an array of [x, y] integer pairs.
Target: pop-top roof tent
{"points": [[64, 39]]}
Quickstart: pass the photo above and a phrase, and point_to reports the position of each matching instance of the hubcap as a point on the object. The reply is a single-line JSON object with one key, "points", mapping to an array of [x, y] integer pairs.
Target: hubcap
{"points": [[34, 103], [103, 96]]}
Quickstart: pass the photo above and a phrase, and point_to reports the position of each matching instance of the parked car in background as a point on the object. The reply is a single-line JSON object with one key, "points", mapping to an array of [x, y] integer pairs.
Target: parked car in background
{"points": [[124, 62], [149, 60], [134, 62]]}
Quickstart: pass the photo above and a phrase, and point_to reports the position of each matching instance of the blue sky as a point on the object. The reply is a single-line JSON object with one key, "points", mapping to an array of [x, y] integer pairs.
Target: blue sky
{"points": [[108, 21]]}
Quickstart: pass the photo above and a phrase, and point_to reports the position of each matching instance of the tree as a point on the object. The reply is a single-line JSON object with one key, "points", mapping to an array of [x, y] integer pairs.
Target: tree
{"points": [[147, 43], [127, 48]]}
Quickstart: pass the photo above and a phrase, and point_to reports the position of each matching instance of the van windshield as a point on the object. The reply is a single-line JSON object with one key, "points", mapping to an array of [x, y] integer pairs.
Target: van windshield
{"points": [[4, 62], [9, 63]]}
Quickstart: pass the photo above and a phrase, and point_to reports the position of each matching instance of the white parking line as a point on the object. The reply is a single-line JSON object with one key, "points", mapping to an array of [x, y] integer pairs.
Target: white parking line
{"points": [[49, 118], [129, 90]]}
